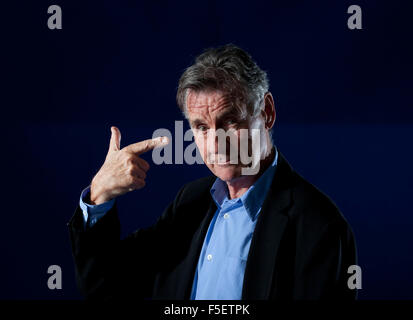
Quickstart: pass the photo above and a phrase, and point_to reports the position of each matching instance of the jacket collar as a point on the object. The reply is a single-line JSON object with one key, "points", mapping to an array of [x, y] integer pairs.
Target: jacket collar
{"points": [[265, 242]]}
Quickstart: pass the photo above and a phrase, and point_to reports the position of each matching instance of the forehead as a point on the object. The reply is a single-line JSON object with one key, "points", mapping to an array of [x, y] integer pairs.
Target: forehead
{"points": [[208, 102]]}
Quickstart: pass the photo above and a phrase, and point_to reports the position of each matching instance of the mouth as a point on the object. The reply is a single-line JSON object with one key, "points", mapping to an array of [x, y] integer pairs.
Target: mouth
{"points": [[221, 160], [224, 164]]}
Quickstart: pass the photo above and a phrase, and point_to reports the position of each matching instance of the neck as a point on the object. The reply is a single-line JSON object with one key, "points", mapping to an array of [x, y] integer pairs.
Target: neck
{"points": [[238, 186]]}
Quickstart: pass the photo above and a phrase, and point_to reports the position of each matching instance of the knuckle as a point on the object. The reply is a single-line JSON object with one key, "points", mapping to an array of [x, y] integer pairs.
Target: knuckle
{"points": [[146, 165], [137, 183], [129, 161], [140, 173], [130, 179], [143, 164], [133, 180], [130, 170]]}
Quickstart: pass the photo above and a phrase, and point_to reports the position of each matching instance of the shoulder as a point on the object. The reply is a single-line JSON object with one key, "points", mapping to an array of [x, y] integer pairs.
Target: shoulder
{"points": [[195, 191], [307, 202], [312, 208]]}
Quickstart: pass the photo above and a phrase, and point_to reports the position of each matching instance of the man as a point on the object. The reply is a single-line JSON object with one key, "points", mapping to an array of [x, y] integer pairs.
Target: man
{"points": [[266, 235]]}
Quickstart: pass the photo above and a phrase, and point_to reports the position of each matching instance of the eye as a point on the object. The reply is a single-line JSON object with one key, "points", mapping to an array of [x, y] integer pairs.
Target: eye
{"points": [[201, 127], [230, 122]]}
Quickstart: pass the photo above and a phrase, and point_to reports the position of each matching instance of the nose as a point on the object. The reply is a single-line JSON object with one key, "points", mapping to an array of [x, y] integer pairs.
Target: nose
{"points": [[222, 142], [212, 141], [215, 142]]}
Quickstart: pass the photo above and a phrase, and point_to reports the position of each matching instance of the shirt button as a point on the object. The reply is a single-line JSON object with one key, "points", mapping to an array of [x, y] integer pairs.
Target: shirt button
{"points": [[209, 257], [226, 216]]}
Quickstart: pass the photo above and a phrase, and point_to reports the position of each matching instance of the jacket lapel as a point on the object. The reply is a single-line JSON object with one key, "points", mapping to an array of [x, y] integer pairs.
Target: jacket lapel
{"points": [[191, 261], [267, 236], [265, 242]]}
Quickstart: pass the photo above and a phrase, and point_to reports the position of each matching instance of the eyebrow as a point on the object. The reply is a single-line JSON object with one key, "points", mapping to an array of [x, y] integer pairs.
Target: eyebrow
{"points": [[233, 112], [196, 122]]}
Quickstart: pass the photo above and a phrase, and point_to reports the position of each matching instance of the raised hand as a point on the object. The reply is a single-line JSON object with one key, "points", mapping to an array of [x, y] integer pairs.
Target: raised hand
{"points": [[123, 170]]}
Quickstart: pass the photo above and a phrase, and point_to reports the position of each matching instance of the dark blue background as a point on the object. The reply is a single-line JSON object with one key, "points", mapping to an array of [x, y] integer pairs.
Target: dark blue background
{"points": [[344, 117]]}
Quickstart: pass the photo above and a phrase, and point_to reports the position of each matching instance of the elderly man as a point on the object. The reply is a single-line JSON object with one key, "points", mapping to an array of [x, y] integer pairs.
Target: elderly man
{"points": [[233, 235]]}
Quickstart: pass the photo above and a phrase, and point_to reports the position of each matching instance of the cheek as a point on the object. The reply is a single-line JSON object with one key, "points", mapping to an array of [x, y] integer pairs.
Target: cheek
{"points": [[258, 126], [201, 144], [204, 142]]}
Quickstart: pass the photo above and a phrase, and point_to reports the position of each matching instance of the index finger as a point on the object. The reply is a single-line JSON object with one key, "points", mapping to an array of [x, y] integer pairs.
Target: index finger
{"points": [[146, 145]]}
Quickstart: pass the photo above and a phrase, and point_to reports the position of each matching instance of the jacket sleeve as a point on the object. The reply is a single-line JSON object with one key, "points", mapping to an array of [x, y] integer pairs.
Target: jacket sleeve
{"points": [[322, 271], [108, 267]]}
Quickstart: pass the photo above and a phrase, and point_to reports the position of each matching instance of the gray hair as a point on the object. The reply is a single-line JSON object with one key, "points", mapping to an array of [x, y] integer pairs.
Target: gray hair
{"points": [[228, 69]]}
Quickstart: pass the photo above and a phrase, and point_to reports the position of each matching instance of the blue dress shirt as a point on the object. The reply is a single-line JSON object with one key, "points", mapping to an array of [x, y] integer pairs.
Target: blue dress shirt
{"points": [[92, 213], [221, 264]]}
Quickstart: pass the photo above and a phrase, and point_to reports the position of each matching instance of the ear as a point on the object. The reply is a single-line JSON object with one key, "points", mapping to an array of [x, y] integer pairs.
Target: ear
{"points": [[269, 111]]}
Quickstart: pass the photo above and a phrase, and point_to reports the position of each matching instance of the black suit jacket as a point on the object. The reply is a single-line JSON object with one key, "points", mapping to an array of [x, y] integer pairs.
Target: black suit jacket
{"points": [[301, 248]]}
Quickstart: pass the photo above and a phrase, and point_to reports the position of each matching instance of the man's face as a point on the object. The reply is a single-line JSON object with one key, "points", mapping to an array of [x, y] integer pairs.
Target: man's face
{"points": [[209, 111]]}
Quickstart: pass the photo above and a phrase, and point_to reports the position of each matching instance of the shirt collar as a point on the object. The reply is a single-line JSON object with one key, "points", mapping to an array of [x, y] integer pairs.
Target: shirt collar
{"points": [[253, 199]]}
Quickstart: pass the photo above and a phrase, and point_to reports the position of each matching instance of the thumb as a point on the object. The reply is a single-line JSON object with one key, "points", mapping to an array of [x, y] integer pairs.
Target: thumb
{"points": [[114, 139]]}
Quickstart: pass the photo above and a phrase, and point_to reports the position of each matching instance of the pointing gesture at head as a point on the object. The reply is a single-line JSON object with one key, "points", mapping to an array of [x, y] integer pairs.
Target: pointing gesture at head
{"points": [[123, 169]]}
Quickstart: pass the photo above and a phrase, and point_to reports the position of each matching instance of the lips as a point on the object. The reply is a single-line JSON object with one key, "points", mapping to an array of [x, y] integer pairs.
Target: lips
{"points": [[222, 163], [219, 159]]}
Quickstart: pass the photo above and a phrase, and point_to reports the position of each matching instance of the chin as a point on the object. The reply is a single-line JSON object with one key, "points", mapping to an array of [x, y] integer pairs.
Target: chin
{"points": [[226, 172]]}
